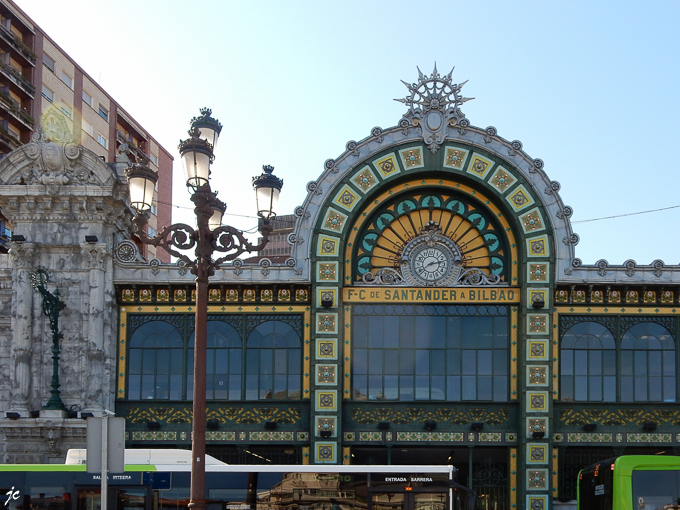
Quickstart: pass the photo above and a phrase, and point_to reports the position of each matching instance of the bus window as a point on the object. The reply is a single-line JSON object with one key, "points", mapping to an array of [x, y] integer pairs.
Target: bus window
{"points": [[653, 490]]}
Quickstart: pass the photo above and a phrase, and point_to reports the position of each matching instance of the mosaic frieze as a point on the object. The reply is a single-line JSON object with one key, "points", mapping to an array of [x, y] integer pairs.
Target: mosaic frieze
{"points": [[630, 416], [412, 157], [154, 436], [346, 198], [371, 437], [520, 199], [455, 158], [532, 221], [537, 350], [231, 414], [327, 246], [613, 296], [561, 296], [479, 166], [490, 437], [502, 180], [454, 437], [387, 166], [326, 348], [586, 437], [667, 297], [537, 453], [455, 416], [597, 296], [538, 246], [220, 436], [365, 179]]}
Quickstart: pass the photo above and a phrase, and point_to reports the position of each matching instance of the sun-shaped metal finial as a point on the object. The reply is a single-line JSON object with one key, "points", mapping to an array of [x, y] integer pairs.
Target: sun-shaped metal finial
{"points": [[434, 92]]}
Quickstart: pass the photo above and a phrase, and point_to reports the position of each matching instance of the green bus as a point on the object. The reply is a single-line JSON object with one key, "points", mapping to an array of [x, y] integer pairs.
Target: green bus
{"points": [[631, 482]]}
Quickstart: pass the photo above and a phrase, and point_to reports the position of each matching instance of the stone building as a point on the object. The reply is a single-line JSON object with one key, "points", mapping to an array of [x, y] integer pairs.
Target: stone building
{"points": [[432, 310]]}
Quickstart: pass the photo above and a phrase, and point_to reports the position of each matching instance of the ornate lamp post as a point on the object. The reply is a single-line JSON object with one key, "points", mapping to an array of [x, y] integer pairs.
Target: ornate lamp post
{"points": [[52, 305], [208, 237]]}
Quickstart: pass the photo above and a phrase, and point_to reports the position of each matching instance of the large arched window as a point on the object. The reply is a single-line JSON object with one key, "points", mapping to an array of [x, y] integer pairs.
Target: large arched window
{"points": [[430, 352], [622, 359], [647, 364], [588, 363], [248, 357], [156, 360], [273, 362]]}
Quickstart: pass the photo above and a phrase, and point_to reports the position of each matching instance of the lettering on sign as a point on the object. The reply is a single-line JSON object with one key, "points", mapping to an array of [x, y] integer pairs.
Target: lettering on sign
{"points": [[418, 295], [11, 495]]}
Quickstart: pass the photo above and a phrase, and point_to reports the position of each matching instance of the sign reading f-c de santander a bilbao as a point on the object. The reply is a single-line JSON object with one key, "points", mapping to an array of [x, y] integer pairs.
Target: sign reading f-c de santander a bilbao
{"points": [[422, 295]]}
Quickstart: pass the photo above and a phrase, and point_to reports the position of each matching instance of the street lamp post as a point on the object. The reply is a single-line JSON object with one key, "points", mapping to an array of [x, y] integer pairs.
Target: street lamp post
{"points": [[208, 237]]}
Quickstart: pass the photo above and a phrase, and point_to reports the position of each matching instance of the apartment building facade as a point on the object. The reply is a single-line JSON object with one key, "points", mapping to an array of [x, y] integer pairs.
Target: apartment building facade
{"points": [[41, 85]]}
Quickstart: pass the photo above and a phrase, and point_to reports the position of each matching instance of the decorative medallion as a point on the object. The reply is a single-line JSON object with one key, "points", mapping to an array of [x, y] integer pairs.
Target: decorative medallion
{"points": [[327, 246], [387, 166], [162, 295], [327, 271], [537, 295], [537, 324], [538, 272], [145, 295], [537, 375], [214, 295], [537, 401], [325, 374], [326, 323], [537, 350], [325, 424], [537, 453], [537, 479], [537, 425], [532, 221], [325, 348], [284, 295], [335, 220], [537, 502], [455, 158], [346, 198], [365, 179], [479, 166], [502, 179], [325, 453], [180, 295], [412, 157], [520, 199], [326, 400], [231, 295]]}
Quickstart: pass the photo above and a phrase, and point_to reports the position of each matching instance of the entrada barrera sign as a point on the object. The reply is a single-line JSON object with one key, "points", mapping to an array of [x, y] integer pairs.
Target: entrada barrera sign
{"points": [[420, 295]]}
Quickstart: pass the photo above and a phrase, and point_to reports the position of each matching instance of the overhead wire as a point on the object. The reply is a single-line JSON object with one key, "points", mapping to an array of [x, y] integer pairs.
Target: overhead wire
{"points": [[627, 214]]}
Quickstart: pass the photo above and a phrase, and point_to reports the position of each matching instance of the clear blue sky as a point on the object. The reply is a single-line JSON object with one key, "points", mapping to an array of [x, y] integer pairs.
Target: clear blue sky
{"points": [[589, 87]]}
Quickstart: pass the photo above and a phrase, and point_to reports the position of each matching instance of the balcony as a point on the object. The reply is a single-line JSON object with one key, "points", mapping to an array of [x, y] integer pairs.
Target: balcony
{"points": [[16, 43], [9, 104], [8, 142], [15, 76], [136, 151]]}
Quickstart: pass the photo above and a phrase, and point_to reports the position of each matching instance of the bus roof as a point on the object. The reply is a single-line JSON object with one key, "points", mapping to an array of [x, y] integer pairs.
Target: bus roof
{"points": [[145, 457], [626, 464]]}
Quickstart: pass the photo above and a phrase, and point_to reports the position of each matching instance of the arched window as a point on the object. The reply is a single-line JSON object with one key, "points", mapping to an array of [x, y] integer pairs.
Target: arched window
{"points": [[588, 363], [273, 362], [156, 361], [647, 364]]}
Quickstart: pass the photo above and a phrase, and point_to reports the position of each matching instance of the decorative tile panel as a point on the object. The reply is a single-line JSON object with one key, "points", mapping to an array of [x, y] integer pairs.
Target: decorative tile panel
{"points": [[162, 295], [271, 436], [387, 166], [535, 294], [455, 157], [632, 296], [537, 323], [267, 295], [327, 323], [538, 272], [231, 295], [667, 296], [327, 294], [537, 350], [537, 375], [537, 425], [301, 295], [346, 198], [220, 436], [214, 295], [614, 296], [375, 437], [154, 436], [365, 179], [325, 453], [537, 479], [325, 424], [456, 437], [579, 296], [325, 374], [537, 453], [412, 157], [520, 198], [479, 166], [537, 502], [561, 296], [326, 400], [597, 296], [145, 295], [538, 246], [532, 221], [649, 438], [327, 271], [649, 296], [129, 295], [589, 438], [537, 401], [327, 246], [335, 221], [502, 179], [249, 295], [490, 437], [284, 295], [326, 348]]}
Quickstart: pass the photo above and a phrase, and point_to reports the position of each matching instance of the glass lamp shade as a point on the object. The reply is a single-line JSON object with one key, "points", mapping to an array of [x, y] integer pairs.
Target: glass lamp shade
{"points": [[196, 157], [218, 211], [209, 127], [267, 188], [142, 183]]}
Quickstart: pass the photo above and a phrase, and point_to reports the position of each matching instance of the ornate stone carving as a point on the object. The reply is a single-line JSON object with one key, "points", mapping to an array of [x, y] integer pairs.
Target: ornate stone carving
{"points": [[602, 267], [630, 267], [95, 255], [658, 266], [22, 255], [127, 251], [434, 104], [515, 147]]}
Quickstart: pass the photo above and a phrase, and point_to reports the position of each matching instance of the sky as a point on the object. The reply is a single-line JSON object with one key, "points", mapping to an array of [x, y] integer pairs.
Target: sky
{"points": [[591, 88]]}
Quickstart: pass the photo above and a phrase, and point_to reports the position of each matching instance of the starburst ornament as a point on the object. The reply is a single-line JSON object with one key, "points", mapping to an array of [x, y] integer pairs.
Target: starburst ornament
{"points": [[434, 104]]}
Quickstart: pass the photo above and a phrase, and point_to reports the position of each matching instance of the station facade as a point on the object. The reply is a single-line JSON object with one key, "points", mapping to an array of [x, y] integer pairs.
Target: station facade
{"points": [[431, 311]]}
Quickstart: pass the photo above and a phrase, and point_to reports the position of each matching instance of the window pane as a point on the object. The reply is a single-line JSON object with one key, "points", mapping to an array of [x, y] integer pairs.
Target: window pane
{"points": [[375, 359], [469, 388], [405, 388], [422, 362], [422, 387], [438, 388], [453, 388], [484, 363]]}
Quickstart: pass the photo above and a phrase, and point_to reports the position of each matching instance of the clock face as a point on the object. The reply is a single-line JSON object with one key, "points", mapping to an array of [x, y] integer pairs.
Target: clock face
{"points": [[431, 263]]}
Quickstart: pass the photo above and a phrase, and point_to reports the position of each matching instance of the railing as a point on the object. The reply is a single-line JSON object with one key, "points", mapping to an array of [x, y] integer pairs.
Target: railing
{"points": [[17, 78], [9, 139], [15, 109], [18, 44]]}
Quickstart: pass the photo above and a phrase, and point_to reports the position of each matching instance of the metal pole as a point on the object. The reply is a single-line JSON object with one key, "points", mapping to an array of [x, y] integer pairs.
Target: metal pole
{"points": [[197, 493], [105, 463]]}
